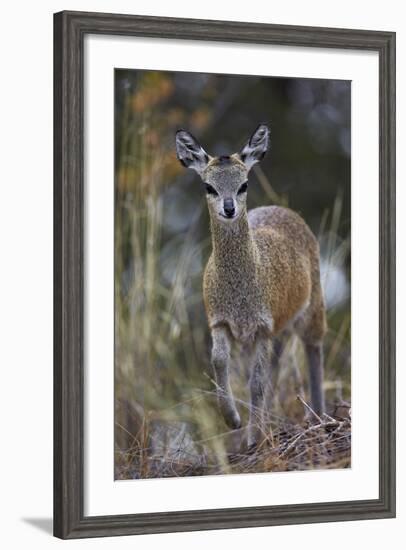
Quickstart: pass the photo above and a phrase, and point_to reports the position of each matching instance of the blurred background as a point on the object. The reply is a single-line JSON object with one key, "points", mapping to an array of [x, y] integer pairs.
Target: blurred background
{"points": [[166, 418]]}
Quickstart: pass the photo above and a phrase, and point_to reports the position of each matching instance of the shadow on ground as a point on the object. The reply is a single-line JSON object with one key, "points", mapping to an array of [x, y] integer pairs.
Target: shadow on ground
{"points": [[43, 524]]}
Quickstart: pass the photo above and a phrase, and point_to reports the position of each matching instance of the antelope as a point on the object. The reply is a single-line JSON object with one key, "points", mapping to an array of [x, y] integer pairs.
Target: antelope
{"points": [[261, 282]]}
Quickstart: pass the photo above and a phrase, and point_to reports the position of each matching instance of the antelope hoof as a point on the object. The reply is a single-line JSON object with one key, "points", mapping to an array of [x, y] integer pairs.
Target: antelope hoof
{"points": [[233, 421], [254, 439], [252, 447]]}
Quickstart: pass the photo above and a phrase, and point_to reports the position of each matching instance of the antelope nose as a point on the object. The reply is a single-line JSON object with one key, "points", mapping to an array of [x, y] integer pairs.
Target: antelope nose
{"points": [[229, 209]]}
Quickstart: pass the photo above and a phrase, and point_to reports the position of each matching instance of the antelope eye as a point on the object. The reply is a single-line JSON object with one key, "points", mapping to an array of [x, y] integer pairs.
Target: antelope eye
{"points": [[243, 188], [210, 190]]}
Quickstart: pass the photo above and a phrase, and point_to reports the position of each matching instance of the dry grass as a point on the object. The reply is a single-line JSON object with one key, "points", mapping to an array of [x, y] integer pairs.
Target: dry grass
{"points": [[170, 451], [166, 418], [167, 422]]}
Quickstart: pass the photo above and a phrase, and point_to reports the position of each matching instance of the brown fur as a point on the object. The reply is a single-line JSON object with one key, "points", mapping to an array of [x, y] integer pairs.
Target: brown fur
{"points": [[263, 276]]}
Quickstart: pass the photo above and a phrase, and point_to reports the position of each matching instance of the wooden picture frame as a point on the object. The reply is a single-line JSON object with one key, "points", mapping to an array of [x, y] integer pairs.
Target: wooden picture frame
{"points": [[70, 29]]}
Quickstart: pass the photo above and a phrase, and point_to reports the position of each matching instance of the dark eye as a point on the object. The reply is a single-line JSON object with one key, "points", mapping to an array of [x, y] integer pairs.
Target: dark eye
{"points": [[243, 188], [210, 190]]}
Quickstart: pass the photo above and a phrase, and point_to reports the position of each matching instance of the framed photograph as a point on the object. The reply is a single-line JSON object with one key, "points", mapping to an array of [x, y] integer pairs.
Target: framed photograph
{"points": [[224, 275]]}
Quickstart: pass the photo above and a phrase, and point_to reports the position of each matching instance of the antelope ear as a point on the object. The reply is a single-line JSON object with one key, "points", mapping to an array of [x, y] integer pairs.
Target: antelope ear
{"points": [[190, 153], [256, 147]]}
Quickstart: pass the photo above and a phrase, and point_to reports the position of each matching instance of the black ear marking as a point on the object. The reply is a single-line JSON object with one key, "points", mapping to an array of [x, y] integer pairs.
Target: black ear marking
{"points": [[260, 155], [186, 162], [256, 147], [189, 151]]}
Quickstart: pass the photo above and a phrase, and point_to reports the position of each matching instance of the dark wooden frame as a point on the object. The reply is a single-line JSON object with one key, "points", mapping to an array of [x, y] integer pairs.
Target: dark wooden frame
{"points": [[69, 31]]}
